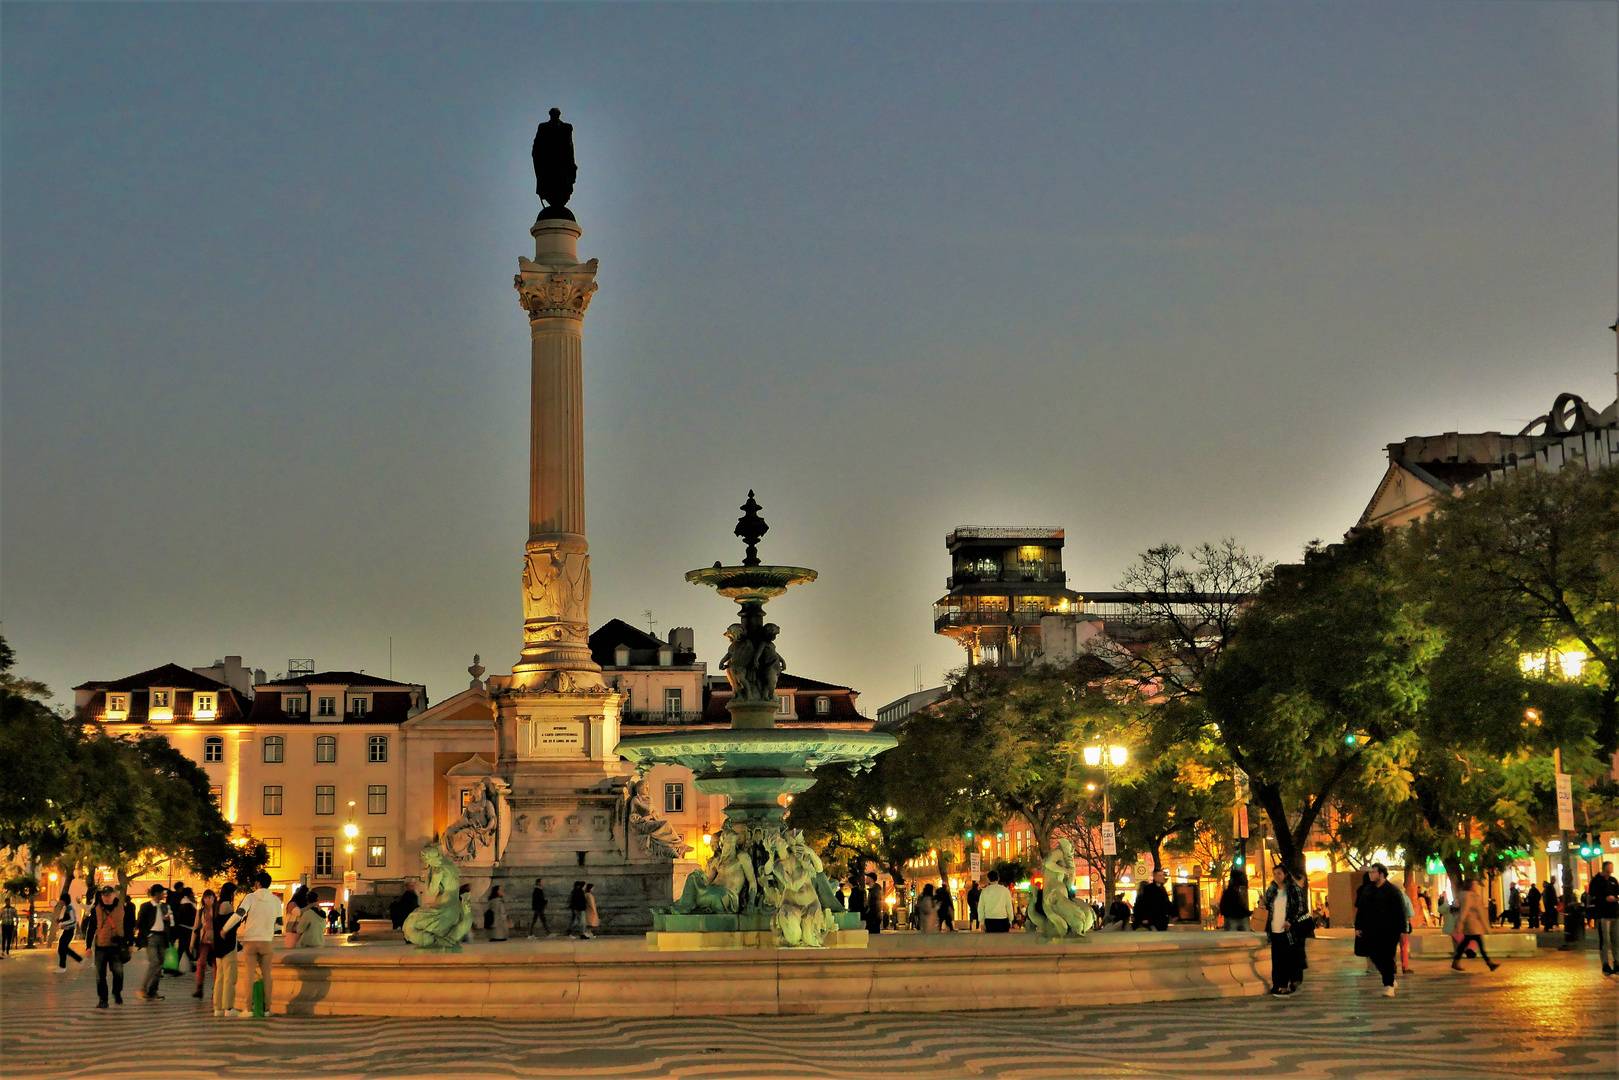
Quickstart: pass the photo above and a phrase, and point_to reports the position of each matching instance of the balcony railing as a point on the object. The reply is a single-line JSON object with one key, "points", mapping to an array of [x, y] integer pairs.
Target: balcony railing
{"points": [[1010, 577], [659, 717], [945, 619]]}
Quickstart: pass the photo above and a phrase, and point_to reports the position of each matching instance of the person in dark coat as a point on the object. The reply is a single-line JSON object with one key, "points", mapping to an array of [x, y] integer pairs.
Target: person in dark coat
{"points": [[1234, 907], [1548, 904], [874, 905], [1153, 908], [1379, 922], [1532, 902], [857, 894], [537, 904]]}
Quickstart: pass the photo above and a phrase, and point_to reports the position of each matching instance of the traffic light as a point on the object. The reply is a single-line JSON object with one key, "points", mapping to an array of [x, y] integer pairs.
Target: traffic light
{"points": [[969, 834], [1351, 739], [1589, 850], [1238, 861]]}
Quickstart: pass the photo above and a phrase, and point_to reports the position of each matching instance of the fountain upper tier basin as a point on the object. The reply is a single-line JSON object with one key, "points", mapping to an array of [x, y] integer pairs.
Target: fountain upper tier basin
{"points": [[751, 582]]}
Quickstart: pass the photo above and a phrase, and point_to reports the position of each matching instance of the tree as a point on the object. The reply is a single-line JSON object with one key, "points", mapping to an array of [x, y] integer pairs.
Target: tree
{"points": [[1328, 662], [37, 778], [1531, 562], [852, 819]]}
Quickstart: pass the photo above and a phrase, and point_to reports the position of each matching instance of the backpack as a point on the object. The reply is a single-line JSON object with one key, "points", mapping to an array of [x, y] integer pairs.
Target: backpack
{"points": [[488, 918]]}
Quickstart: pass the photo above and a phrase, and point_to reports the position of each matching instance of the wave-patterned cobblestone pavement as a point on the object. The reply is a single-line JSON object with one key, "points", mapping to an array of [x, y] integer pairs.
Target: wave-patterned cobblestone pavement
{"points": [[1549, 1017]]}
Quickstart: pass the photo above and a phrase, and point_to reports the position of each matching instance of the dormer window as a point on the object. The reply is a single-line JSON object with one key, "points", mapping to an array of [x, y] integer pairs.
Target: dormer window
{"points": [[117, 705], [784, 705], [202, 706], [292, 704], [327, 706], [162, 707], [160, 699], [359, 706], [621, 656], [823, 706]]}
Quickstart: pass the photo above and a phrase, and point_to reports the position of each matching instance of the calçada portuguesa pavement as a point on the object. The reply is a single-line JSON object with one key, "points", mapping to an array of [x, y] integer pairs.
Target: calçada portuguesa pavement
{"points": [[1551, 1016]]}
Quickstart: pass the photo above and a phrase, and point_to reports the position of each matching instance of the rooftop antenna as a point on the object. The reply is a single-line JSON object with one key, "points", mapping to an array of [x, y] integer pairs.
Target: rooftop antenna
{"points": [[651, 623], [296, 668], [390, 658]]}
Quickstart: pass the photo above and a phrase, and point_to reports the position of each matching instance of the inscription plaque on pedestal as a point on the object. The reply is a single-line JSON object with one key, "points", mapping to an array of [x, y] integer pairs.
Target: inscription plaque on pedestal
{"points": [[551, 738]]}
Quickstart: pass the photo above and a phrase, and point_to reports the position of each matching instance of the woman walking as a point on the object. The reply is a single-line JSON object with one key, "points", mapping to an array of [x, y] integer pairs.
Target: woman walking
{"points": [[1471, 925], [1234, 907], [67, 920], [499, 928], [202, 944], [224, 950], [927, 911], [592, 920], [576, 911]]}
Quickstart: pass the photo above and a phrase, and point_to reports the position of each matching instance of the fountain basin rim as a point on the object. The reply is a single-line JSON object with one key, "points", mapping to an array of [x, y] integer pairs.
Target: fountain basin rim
{"points": [[751, 582]]}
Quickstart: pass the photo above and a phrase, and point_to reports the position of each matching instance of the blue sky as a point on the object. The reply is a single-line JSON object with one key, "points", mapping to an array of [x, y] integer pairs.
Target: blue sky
{"points": [[1145, 271]]}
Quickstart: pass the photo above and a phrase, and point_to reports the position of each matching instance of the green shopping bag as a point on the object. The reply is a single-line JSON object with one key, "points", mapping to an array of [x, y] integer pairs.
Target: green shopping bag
{"points": [[258, 998], [171, 958]]}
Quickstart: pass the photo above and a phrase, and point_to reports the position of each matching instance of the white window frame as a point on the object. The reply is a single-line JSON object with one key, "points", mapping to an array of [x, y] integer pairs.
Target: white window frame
{"points": [[118, 703], [160, 699], [784, 705], [372, 744], [272, 846], [203, 704], [279, 797], [292, 704], [280, 745], [325, 791], [326, 706], [328, 845], [373, 792], [360, 705], [673, 695], [324, 741], [823, 706]]}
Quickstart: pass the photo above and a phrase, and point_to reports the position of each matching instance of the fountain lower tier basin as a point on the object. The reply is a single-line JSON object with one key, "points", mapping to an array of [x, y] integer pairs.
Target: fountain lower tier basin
{"points": [[744, 930], [620, 977]]}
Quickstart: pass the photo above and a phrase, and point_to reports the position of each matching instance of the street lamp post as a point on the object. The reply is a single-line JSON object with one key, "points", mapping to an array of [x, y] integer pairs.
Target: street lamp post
{"points": [[1107, 758], [350, 831]]}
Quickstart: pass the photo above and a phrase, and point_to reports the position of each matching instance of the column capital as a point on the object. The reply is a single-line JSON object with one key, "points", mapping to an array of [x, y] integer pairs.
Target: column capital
{"points": [[554, 291]]}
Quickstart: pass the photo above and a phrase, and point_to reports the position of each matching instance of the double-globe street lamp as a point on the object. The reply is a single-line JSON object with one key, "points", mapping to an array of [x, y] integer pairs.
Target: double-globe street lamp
{"points": [[1107, 758]]}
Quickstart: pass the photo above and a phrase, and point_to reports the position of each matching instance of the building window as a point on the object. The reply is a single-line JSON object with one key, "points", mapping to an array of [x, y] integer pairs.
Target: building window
{"points": [[213, 749], [326, 799], [275, 749], [376, 851], [466, 797], [293, 704], [359, 706], [672, 701], [202, 703], [272, 844], [674, 798], [378, 748], [376, 799], [326, 749], [324, 846], [328, 707], [272, 799], [160, 699], [216, 793], [784, 704], [823, 705], [117, 704]]}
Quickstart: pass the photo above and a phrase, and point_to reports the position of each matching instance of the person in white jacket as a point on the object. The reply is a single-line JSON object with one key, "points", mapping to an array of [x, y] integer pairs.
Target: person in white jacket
{"points": [[256, 915], [995, 906]]}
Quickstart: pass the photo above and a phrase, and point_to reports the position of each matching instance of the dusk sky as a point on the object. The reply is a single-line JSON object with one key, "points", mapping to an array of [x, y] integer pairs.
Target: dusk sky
{"points": [[1147, 272]]}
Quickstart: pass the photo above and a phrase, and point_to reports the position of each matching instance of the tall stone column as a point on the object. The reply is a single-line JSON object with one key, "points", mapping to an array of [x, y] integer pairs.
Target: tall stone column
{"points": [[555, 289]]}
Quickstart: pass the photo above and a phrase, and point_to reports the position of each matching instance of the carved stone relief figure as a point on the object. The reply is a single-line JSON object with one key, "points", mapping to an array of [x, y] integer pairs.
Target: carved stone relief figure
{"points": [[478, 823], [556, 585]]}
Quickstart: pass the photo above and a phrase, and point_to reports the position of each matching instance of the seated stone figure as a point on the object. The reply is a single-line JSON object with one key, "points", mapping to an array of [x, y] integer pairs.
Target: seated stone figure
{"points": [[442, 920], [716, 889]]}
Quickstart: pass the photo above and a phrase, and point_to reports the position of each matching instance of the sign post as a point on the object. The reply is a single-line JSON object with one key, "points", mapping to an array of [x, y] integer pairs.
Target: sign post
{"points": [[975, 866], [1110, 845]]}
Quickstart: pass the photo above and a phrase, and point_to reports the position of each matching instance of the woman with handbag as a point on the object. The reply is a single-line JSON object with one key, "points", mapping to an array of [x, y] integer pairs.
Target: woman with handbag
{"points": [[291, 914], [1471, 925], [1286, 911]]}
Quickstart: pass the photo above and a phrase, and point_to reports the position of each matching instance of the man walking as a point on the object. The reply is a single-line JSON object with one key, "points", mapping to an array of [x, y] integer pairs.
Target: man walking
{"points": [[1605, 905], [873, 911], [1379, 922], [109, 928], [8, 927], [995, 905], [1532, 901], [256, 917], [1548, 904], [537, 904], [156, 924], [973, 895], [1152, 903]]}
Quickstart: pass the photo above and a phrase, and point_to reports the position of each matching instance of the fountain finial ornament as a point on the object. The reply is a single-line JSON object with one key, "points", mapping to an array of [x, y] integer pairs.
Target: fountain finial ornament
{"points": [[751, 528], [554, 167]]}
